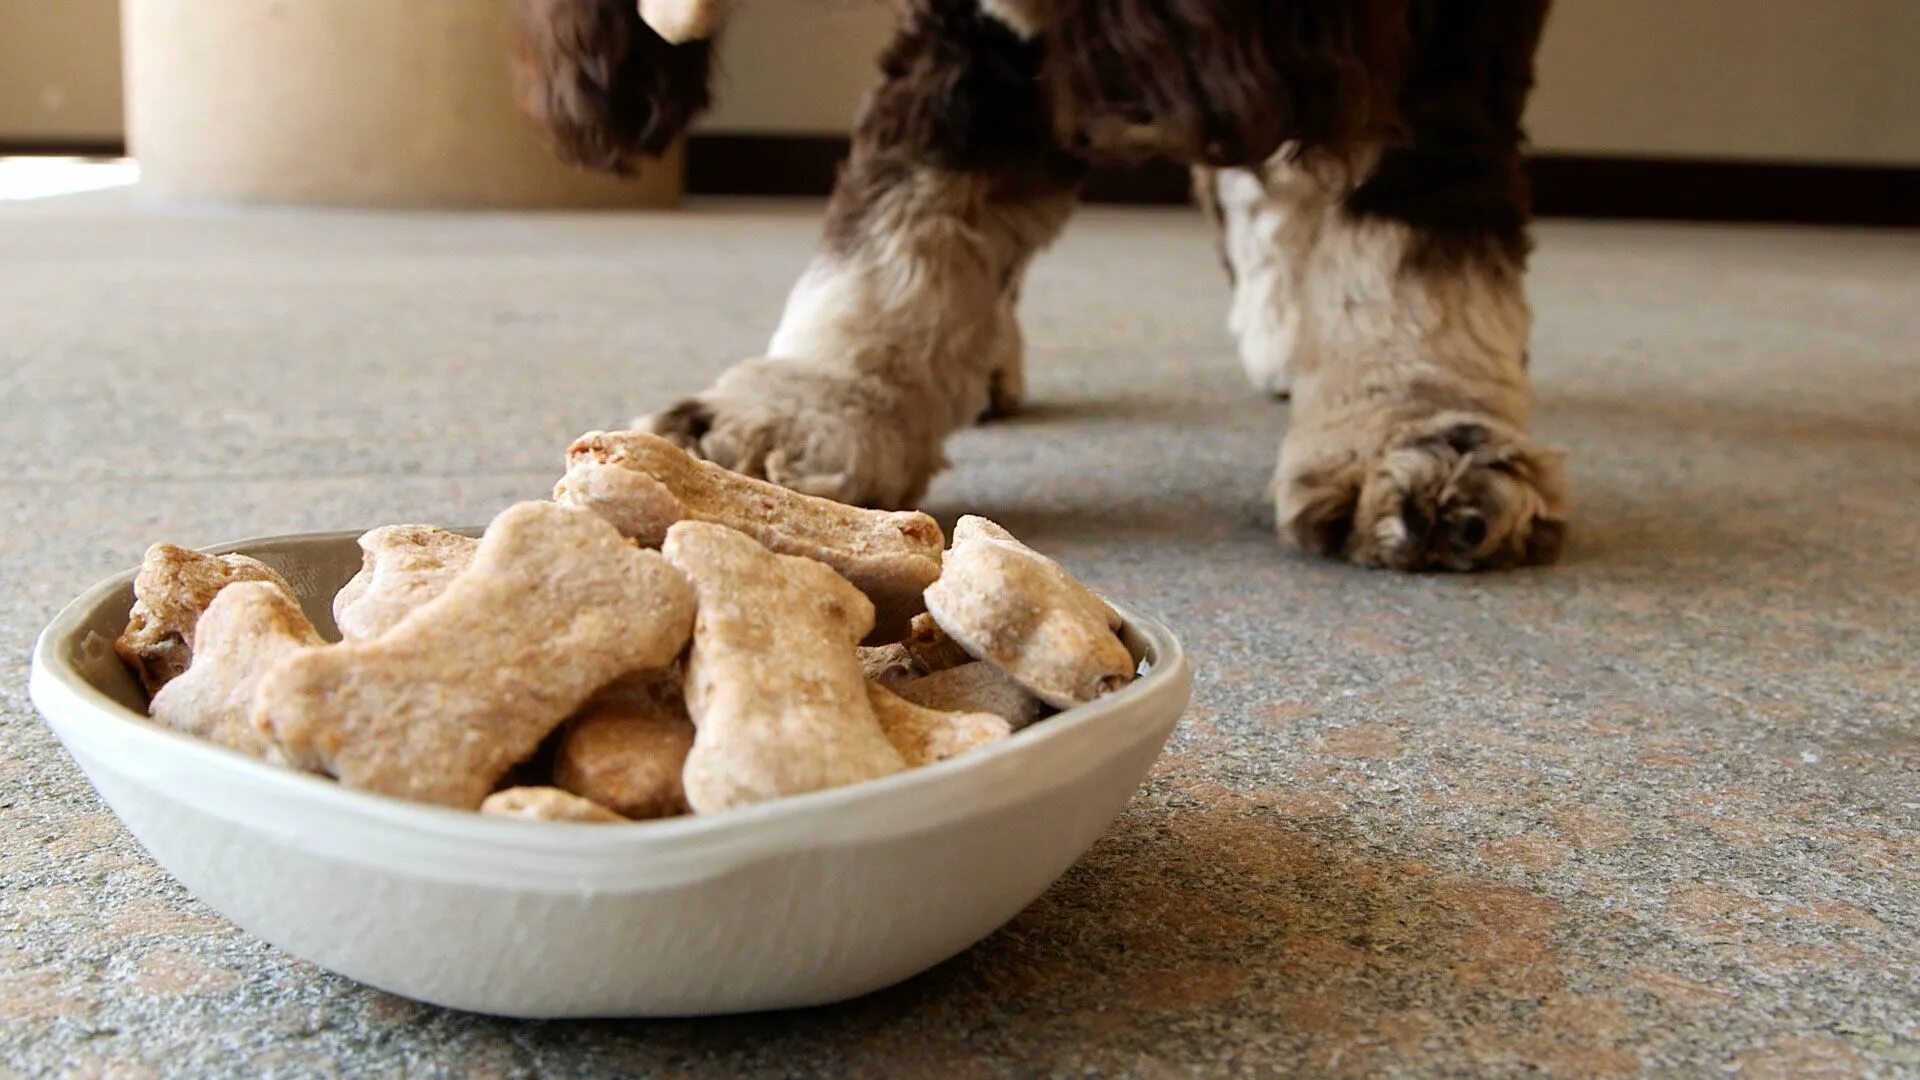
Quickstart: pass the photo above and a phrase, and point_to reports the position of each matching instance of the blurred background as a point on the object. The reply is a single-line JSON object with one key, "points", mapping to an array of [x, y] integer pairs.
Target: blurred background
{"points": [[1762, 109]]}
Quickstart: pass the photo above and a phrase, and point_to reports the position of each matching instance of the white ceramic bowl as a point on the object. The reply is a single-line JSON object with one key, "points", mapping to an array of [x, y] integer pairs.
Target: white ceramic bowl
{"points": [[801, 901]]}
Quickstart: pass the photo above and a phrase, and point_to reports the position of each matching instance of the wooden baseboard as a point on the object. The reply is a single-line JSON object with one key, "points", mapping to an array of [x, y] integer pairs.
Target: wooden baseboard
{"points": [[80, 148], [1678, 189], [806, 165], [1564, 185]]}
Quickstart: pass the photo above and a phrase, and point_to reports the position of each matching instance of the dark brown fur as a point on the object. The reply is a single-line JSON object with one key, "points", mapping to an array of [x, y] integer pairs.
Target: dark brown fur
{"points": [[1452, 166], [607, 88], [1227, 82], [1436, 85], [959, 93]]}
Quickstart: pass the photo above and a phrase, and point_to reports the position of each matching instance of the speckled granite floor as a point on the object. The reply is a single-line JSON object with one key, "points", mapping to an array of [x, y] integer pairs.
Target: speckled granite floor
{"points": [[1653, 810]]}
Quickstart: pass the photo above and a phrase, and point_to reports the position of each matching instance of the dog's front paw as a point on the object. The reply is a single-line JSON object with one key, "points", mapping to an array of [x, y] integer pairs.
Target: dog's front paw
{"points": [[817, 431], [1450, 492]]}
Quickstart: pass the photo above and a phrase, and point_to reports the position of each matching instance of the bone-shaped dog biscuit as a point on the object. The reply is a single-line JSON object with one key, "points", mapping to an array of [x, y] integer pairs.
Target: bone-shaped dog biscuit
{"points": [[923, 736], [404, 567], [1006, 603], [625, 749], [778, 703], [643, 484], [974, 687], [250, 626], [173, 587], [555, 605], [546, 804]]}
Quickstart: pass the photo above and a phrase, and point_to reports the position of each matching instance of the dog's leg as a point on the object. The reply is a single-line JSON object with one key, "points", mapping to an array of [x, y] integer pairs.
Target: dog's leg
{"points": [[1007, 387], [1268, 220], [1409, 444], [902, 328]]}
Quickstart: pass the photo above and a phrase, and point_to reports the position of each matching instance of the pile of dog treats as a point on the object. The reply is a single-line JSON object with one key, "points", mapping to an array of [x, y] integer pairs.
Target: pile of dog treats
{"points": [[663, 637]]}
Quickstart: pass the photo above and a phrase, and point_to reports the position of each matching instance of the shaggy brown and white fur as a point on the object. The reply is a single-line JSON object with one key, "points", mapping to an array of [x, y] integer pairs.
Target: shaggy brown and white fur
{"points": [[1361, 157]]}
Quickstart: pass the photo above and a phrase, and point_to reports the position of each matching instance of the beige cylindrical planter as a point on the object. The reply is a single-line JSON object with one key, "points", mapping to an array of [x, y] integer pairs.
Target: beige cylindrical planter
{"points": [[346, 102]]}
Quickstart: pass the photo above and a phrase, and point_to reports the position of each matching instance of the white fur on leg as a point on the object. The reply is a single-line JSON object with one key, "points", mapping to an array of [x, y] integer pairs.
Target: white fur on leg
{"points": [[1263, 317], [917, 304], [1369, 322], [1271, 218], [828, 296]]}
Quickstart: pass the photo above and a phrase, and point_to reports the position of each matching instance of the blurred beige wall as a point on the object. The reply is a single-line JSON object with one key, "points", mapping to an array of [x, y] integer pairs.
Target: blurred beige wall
{"points": [[346, 102], [1823, 80], [60, 70], [1816, 80], [798, 65]]}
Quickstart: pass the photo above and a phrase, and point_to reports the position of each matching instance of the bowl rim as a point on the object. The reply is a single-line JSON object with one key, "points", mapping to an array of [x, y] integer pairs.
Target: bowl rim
{"points": [[834, 815]]}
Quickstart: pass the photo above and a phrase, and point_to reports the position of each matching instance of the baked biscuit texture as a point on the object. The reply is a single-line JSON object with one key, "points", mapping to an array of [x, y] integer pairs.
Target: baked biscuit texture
{"points": [[404, 567], [1012, 606], [173, 587], [249, 627], [643, 484], [775, 691], [555, 606]]}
